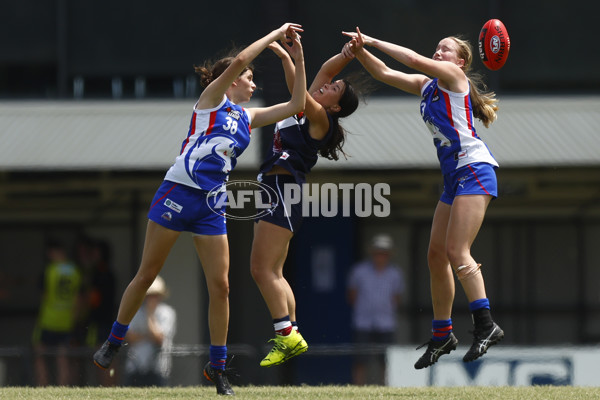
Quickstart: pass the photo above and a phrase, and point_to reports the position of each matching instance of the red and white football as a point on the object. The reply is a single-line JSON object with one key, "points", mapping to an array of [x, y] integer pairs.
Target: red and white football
{"points": [[494, 44]]}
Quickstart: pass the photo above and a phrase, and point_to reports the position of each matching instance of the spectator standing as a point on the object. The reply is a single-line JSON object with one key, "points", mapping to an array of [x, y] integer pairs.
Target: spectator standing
{"points": [[59, 310], [150, 337], [375, 289]]}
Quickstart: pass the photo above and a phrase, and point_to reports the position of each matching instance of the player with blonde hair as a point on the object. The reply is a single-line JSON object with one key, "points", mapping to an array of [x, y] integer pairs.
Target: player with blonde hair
{"points": [[449, 101]]}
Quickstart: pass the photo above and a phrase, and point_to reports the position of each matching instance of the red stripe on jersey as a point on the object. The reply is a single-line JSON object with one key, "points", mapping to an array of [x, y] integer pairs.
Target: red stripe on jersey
{"points": [[162, 197], [449, 111], [469, 119], [211, 123], [190, 132], [478, 181], [249, 126]]}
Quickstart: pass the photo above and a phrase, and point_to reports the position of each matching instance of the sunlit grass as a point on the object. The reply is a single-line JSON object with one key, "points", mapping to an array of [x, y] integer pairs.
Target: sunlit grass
{"points": [[305, 392]]}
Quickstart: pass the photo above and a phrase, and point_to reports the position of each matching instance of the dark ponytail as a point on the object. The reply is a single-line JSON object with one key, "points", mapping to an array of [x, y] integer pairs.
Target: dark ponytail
{"points": [[348, 104]]}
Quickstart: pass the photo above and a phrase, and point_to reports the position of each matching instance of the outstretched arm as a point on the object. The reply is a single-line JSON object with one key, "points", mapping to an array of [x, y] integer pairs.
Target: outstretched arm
{"points": [[410, 83], [447, 72], [268, 115], [213, 94], [315, 112], [329, 70], [286, 62]]}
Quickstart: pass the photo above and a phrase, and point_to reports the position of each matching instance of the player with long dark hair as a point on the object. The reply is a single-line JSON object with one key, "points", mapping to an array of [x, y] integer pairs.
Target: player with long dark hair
{"points": [[297, 143]]}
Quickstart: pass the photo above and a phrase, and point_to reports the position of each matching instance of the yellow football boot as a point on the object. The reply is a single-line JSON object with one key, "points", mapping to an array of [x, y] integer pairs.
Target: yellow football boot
{"points": [[284, 348]]}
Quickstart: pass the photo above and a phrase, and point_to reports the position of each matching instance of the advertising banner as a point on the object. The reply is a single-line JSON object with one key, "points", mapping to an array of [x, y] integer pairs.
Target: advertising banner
{"points": [[502, 366]]}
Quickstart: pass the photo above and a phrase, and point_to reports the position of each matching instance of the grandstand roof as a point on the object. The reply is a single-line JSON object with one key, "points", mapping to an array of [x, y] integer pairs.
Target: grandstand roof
{"points": [[385, 133]]}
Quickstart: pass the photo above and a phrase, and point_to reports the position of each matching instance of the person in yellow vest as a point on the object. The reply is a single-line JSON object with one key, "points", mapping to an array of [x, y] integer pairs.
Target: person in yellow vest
{"points": [[59, 309]]}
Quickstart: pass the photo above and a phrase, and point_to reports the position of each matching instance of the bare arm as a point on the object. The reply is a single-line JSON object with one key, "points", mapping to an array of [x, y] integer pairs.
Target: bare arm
{"points": [[315, 112], [329, 70], [319, 123], [410, 83], [214, 92], [286, 62], [450, 75], [268, 115]]}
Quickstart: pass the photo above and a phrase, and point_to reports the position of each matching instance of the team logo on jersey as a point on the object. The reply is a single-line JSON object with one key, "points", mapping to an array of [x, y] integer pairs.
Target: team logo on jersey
{"points": [[235, 114], [173, 206], [436, 96], [215, 149], [167, 216], [284, 156], [460, 155], [438, 137]]}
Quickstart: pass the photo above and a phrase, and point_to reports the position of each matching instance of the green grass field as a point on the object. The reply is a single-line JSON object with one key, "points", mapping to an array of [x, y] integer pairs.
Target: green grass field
{"points": [[305, 392]]}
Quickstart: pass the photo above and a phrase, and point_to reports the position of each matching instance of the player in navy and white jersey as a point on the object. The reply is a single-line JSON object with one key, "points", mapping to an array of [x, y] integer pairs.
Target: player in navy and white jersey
{"points": [[219, 132], [450, 99], [297, 143]]}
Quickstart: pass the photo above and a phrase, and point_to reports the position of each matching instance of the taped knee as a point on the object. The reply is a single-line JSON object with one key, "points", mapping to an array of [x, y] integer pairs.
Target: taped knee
{"points": [[467, 271]]}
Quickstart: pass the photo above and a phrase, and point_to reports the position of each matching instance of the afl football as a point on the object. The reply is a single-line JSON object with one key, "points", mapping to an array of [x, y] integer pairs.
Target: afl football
{"points": [[494, 44]]}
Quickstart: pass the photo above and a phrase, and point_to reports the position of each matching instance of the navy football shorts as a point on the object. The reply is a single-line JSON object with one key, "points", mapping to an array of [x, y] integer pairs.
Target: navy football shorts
{"points": [[288, 216]]}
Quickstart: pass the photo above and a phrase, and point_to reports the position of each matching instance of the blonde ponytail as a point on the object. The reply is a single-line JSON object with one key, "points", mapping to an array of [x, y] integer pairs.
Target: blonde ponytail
{"points": [[485, 103]]}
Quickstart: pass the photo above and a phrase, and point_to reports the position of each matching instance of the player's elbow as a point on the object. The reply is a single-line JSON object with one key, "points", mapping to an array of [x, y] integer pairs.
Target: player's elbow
{"points": [[297, 106]]}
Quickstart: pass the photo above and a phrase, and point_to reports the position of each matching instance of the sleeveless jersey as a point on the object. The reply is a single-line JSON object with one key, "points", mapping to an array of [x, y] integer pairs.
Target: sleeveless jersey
{"points": [[215, 139], [62, 285], [449, 117], [293, 148]]}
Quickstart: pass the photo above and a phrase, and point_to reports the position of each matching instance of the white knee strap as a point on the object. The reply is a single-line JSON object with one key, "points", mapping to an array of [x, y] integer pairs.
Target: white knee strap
{"points": [[467, 271]]}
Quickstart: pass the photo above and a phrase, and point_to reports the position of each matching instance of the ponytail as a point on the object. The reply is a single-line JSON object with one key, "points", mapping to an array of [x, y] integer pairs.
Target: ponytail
{"points": [[484, 102], [348, 104], [210, 71]]}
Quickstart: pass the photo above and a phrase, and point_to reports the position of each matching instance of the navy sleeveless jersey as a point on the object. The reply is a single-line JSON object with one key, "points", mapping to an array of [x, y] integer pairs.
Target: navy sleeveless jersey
{"points": [[293, 148]]}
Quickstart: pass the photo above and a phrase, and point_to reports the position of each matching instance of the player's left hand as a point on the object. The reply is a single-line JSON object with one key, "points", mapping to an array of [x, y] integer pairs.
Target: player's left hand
{"points": [[347, 51], [295, 47]]}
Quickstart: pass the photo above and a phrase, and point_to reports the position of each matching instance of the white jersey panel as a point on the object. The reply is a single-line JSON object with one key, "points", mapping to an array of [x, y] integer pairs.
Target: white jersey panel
{"points": [[215, 139], [449, 117]]}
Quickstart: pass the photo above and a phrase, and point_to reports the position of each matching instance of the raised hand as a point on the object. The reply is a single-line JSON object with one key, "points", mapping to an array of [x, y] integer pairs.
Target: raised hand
{"points": [[287, 31], [295, 48], [348, 50], [278, 49], [359, 39]]}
